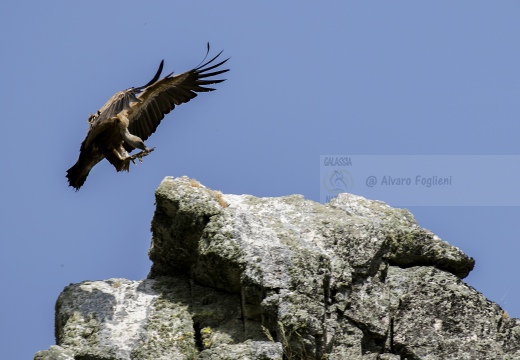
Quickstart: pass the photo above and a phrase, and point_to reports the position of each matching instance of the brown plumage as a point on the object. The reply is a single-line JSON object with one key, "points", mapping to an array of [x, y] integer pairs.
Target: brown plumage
{"points": [[132, 115]]}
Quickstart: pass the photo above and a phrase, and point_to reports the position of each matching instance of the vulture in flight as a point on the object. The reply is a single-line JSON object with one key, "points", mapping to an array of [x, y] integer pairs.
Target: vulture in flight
{"points": [[129, 117]]}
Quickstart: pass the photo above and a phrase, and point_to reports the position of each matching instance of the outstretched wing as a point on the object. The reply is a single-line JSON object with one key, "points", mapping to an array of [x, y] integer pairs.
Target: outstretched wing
{"points": [[159, 98], [122, 100]]}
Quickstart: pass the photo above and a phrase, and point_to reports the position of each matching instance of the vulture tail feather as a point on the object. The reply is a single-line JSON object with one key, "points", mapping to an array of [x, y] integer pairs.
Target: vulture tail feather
{"points": [[77, 175]]}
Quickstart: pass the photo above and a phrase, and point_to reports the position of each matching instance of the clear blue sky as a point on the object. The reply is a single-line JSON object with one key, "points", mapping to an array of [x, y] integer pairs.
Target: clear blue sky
{"points": [[342, 77]]}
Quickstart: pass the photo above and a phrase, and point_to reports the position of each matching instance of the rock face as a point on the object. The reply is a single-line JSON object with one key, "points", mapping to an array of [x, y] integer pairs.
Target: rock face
{"points": [[240, 277]]}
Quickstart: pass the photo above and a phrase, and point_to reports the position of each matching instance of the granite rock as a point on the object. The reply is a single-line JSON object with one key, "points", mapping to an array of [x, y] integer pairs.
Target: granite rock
{"points": [[241, 277]]}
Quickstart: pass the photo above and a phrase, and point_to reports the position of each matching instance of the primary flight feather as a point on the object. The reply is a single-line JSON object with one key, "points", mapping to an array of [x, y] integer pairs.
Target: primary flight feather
{"points": [[129, 118]]}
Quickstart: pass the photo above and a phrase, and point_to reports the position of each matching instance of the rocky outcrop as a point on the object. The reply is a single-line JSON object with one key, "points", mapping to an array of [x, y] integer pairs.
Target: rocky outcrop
{"points": [[240, 277]]}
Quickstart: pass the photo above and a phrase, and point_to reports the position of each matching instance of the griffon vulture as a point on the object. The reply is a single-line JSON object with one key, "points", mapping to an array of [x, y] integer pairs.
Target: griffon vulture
{"points": [[132, 115]]}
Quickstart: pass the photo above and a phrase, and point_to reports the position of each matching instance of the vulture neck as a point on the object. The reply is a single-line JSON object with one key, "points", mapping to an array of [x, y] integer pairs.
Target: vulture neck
{"points": [[133, 140]]}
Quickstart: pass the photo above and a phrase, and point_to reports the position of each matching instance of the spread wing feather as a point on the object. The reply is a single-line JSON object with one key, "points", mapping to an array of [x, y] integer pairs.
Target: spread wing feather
{"points": [[161, 97], [117, 103], [123, 100]]}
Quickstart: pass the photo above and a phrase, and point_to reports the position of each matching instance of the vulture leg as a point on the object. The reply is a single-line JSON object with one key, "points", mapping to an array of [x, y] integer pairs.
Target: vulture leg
{"points": [[119, 154], [122, 159], [119, 158]]}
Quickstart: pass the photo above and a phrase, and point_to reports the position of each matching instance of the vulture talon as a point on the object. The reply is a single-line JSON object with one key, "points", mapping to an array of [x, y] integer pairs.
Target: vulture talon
{"points": [[140, 155]]}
